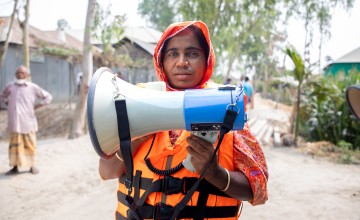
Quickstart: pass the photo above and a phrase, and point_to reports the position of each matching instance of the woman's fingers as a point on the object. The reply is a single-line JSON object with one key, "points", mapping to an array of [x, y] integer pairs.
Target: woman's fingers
{"points": [[201, 152]]}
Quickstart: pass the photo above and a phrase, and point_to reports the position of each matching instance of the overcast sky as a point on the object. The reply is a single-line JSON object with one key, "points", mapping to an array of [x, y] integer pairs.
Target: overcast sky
{"points": [[44, 15]]}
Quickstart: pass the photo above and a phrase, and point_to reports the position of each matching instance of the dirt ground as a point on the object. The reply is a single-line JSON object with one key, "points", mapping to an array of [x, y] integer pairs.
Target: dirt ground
{"points": [[68, 186]]}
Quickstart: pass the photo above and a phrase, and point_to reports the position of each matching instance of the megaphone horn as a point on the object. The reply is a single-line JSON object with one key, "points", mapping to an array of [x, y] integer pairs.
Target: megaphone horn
{"points": [[150, 111]]}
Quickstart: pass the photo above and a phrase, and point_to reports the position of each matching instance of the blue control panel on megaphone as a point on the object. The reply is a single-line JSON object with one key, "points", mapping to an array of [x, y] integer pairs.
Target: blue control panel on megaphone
{"points": [[205, 110]]}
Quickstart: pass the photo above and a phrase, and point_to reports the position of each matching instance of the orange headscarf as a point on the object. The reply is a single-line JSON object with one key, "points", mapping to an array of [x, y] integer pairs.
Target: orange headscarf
{"points": [[171, 31]]}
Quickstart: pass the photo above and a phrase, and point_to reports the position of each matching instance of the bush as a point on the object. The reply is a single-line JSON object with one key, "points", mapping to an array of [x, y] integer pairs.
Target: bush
{"points": [[325, 113]]}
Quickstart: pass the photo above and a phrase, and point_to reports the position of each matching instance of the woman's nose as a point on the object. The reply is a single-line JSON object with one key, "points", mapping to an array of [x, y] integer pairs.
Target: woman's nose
{"points": [[183, 61]]}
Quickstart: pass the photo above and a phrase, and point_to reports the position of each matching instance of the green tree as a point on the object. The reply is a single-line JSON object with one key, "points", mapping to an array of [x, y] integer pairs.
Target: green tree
{"points": [[109, 29], [245, 32], [241, 30], [316, 15], [78, 126], [300, 74], [160, 13], [100, 25]]}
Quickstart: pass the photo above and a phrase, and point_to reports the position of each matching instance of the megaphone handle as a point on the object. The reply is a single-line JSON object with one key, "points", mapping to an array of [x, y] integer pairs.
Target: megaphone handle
{"points": [[187, 163], [209, 136]]}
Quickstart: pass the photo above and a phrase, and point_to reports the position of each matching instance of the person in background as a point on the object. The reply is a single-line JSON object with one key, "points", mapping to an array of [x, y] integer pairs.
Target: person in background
{"points": [[228, 81], [249, 92], [184, 59], [78, 82], [22, 97]]}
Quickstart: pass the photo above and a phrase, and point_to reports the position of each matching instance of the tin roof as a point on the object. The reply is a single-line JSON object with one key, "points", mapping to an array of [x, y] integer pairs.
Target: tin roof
{"points": [[143, 34], [145, 37], [38, 37], [352, 57]]}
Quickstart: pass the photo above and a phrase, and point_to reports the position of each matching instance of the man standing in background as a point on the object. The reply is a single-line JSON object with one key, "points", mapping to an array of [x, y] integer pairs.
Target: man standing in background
{"points": [[22, 98]]}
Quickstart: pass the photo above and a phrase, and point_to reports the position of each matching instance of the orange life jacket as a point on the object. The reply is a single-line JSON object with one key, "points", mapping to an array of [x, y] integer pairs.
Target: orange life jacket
{"points": [[155, 194]]}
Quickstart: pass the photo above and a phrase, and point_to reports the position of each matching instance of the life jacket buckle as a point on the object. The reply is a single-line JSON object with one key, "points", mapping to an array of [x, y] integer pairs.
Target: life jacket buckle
{"points": [[162, 211], [128, 185], [172, 185], [183, 189]]}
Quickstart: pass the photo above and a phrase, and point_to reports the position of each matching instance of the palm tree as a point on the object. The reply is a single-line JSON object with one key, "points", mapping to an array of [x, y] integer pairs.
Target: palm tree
{"points": [[300, 75]]}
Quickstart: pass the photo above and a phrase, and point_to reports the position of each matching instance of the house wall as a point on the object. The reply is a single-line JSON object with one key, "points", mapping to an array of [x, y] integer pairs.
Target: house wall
{"points": [[57, 76], [11, 62], [142, 69], [52, 73], [139, 75], [345, 68]]}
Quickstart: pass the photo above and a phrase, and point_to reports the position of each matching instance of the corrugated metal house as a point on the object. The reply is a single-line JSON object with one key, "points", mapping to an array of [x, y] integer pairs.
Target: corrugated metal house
{"points": [[345, 64], [139, 44], [55, 58]]}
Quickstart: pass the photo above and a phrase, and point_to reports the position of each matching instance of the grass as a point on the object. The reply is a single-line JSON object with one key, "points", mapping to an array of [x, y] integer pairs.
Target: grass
{"points": [[331, 152]]}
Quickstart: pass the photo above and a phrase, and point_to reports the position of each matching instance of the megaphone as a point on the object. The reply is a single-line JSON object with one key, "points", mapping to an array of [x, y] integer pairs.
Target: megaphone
{"points": [[150, 110], [353, 99]]}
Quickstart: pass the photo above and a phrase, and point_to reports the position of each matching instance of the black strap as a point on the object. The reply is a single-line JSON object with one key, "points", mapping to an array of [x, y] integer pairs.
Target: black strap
{"points": [[137, 181], [133, 209], [201, 203], [228, 124], [172, 185], [125, 141], [125, 148]]}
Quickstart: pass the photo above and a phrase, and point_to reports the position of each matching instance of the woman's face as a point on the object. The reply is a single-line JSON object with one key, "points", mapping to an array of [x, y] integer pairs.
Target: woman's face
{"points": [[184, 61]]}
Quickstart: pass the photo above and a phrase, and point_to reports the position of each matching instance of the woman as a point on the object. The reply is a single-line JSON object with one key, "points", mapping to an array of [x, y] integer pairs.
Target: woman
{"points": [[184, 59]]}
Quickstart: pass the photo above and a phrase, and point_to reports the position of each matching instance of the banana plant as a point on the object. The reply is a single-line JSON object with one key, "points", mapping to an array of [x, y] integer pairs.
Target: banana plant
{"points": [[300, 74]]}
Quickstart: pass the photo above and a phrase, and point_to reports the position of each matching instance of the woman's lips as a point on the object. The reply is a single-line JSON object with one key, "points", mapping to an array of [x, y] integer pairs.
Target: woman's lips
{"points": [[182, 76]]}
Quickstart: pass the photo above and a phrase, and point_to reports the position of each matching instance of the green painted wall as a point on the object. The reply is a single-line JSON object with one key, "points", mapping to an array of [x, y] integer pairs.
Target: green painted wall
{"points": [[346, 68]]}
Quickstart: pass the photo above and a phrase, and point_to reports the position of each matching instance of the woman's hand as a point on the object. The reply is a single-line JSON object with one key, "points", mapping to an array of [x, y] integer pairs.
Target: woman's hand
{"points": [[201, 152], [229, 181]]}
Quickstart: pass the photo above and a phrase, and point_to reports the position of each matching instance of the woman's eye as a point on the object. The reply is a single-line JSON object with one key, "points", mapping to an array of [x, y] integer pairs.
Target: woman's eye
{"points": [[192, 54], [172, 54]]}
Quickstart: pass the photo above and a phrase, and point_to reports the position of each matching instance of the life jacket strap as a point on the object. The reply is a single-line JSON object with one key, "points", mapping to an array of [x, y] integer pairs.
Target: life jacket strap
{"points": [[168, 185]]}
